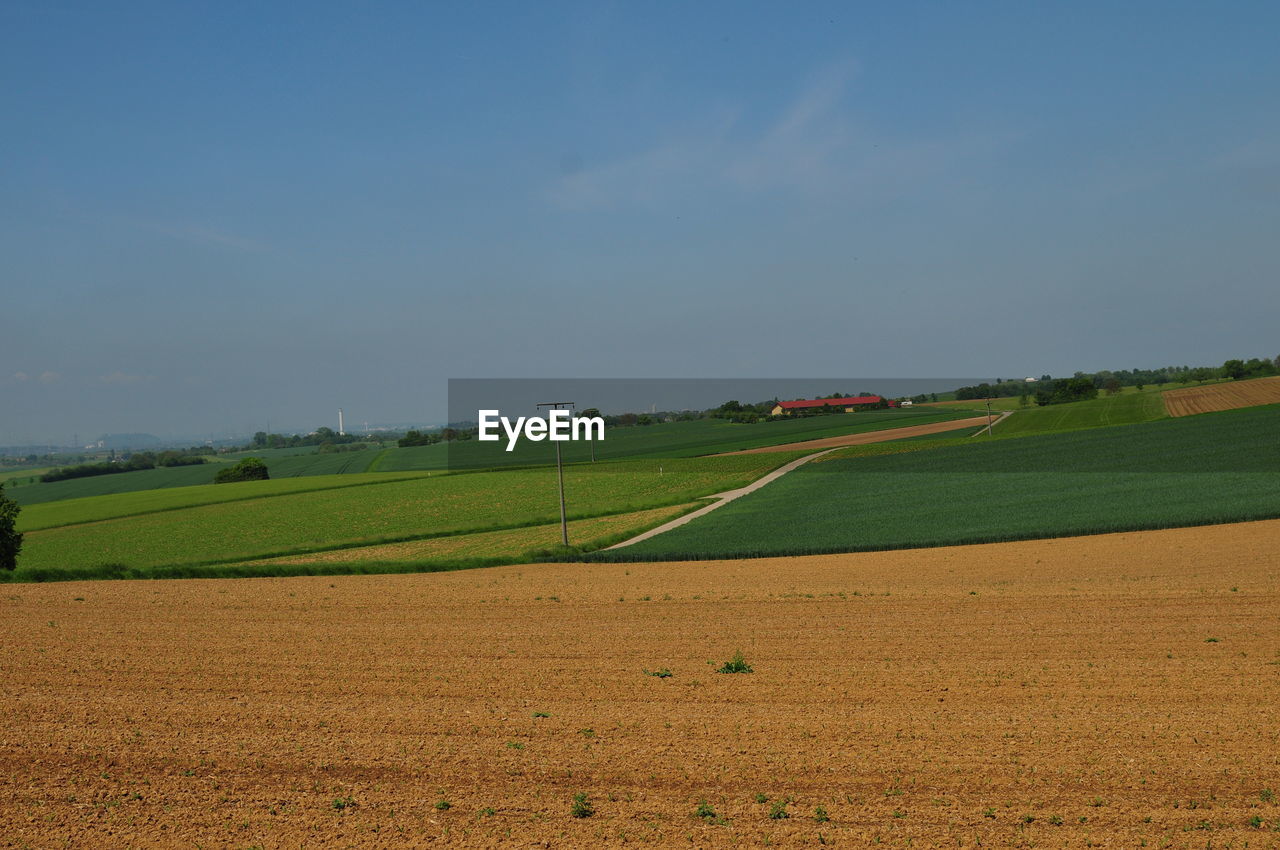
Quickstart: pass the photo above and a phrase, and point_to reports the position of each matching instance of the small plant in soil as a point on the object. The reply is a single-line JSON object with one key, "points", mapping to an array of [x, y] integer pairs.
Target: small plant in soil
{"points": [[581, 807], [778, 811], [443, 805], [820, 815], [737, 665], [664, 673]]}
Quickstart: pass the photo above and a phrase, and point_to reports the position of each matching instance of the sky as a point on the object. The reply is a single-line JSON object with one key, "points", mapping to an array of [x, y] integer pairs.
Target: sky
{"points": [[220, 217]]}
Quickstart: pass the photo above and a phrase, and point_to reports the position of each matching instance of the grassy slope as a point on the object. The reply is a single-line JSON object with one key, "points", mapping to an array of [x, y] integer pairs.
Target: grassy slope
{"points": [[95, 508], [121, 482], [400, 510], [21, 474], [337, 463], [1216, 467], [591, 533], [1122, 409], [280, 465]]}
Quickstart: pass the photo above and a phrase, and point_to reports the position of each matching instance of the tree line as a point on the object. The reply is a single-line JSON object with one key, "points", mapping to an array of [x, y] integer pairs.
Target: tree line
{"points": [[129, 463], [319, 437], [1083, 385]]}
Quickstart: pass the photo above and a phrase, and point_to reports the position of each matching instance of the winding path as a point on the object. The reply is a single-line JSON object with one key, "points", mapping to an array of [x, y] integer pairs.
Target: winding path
{"points": [[722, 499]]}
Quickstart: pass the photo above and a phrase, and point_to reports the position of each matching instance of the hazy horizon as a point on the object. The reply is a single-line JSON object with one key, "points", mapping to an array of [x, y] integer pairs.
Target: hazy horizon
{"points": [[222, 217]]}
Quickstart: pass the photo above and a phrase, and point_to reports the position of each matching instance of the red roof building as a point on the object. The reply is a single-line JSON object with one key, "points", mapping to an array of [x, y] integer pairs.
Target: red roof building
{"points": [[849, 403]]}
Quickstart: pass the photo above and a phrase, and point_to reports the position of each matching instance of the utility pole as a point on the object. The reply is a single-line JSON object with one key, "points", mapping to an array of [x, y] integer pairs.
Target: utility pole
{"points": [[988, 417], [564, 522]]}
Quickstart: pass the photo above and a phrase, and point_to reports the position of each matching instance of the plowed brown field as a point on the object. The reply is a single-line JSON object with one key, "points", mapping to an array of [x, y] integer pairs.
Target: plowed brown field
{"points": [[1230, 396], [1100, 691]]}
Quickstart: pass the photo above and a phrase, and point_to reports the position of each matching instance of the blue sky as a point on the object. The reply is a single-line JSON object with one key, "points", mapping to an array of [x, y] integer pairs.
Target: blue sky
{"points": [[215, 216]]}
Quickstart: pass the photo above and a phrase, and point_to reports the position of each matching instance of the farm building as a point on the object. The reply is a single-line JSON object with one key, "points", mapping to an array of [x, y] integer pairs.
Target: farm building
{"points": [[850, 404]]}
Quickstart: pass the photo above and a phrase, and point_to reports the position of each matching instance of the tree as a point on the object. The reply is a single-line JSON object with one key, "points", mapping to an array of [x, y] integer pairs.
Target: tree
{"points": [[1234, 369], [10, 537], [249, 469]]}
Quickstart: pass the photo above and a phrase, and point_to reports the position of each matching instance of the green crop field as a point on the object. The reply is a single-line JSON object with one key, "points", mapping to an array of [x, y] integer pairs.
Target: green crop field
{"points": [[1216, 467], [120, 482], [11, 476], [1121, 409], [97, 508], [334, 463], [417, 508], [281, 463]]}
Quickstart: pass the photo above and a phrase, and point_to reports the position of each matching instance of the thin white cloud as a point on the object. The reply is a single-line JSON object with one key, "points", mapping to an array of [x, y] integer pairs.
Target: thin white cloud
{"points": [[119, 377], [195, 233], [21, 376], [49, 377], [814, 147]]}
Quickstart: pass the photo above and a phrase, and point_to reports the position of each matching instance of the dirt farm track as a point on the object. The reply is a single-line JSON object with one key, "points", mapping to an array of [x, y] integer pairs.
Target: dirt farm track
{"points": [[1103, 691]]}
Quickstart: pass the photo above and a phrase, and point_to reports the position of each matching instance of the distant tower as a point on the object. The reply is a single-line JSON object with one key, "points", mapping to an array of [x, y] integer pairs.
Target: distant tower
{"points": [[341, 431]]}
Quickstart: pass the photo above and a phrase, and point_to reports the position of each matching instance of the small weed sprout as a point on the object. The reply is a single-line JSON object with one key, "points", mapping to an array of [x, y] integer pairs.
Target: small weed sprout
{"points": [[443, 805], [737, 665], [341, 804], [820, 815], [1266, 795], [541, 714], [581, 807], [705, 811], [778, 811], [664, 673], [762, 798]]}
